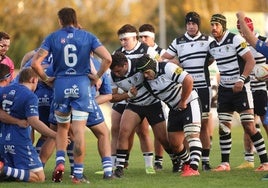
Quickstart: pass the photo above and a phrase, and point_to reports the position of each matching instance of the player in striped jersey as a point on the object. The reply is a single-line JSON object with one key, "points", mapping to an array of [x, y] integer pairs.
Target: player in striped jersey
{"points": [[235, 63], [259, 93], [132, 48], [192, 51], [140, 105], [168, 82], [147, 36]]}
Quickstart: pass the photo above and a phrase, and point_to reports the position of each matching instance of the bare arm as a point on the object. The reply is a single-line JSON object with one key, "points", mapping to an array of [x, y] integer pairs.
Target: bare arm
{"points": [[103, 98], [106, 57], [247, 34], [38, 58], [41, 127], [187, 87], [26, 57], [118, 96]]}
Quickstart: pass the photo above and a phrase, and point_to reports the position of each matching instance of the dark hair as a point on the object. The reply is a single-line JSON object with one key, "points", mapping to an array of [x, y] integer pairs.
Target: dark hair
{"points": [[118, 59], [26, 74], [145, 63], [4, 72], [219, 18], [147, 27], [4, 35], [192, 17], [127, 28], [67, 17]]}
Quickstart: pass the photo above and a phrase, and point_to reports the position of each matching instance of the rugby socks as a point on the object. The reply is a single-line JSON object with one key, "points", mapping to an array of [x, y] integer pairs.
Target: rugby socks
{"points": [[259, 144], [195, 147], [78, 170], [107, 165], [158, 159], [121, 156], [113, 160], [205, 156], [148, 158], [20, 174], [60, 157], [249, 157], [70, 154], [225, 145]]}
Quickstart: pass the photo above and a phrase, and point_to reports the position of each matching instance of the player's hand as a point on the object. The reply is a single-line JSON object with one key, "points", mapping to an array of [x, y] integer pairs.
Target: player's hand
{"points": [[238, 86]]}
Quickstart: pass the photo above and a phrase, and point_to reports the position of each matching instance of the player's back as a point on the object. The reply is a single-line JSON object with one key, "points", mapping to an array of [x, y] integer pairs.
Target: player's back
{"points": [[70, 48]]}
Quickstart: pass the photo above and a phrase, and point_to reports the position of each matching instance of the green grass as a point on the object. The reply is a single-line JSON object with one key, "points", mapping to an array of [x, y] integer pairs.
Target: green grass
{"points": [[135, 175]]}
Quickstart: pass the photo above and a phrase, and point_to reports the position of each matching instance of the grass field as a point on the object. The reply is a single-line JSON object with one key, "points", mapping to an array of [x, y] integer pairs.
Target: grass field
{"points": [[135, 176]]}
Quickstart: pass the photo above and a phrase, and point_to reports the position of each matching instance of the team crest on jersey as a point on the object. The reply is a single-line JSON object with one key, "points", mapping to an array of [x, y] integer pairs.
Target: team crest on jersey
{"points": [[62, 40], [178, 70], [243, 45]]}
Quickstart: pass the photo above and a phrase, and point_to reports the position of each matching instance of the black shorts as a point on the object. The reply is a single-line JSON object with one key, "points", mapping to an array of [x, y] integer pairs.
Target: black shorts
{"points": [[154, 113], [178, 119], [119, 107], [260, 102], [205, 98], [228, 101]]}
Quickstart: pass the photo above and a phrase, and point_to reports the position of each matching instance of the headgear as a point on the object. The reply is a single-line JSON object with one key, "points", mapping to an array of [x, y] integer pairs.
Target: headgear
{"points": [[145, 63], [219, 18], [192, 17], [248, 22]]}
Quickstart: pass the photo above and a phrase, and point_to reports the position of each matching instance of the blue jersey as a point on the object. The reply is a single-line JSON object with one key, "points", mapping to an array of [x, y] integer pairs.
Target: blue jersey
{"points": [[18, 101], [70, 48]]}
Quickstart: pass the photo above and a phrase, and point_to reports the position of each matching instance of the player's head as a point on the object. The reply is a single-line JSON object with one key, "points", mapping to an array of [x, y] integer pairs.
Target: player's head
{"points": [[147, 34], [248, 22], [192, 23], [119, 64], [5, 75], [145, 62], [67, 17], [128, 36], [192, 17], [4, 42], [28, 75], [219, 18]]}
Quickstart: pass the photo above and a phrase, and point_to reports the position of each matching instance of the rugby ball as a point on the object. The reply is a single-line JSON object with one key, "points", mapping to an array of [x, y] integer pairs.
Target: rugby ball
{"points": [[261, 72]]}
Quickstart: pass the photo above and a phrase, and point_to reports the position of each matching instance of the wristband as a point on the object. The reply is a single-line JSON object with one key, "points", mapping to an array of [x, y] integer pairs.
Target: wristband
{"points": [[130, 94], [242, 78]]}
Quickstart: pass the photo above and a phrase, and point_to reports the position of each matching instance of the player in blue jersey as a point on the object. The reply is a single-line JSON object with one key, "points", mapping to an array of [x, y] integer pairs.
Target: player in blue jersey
{"points": [[21, 160], [70, 48], [169, 83], [235, 63], [191, 48], [102, 93]]}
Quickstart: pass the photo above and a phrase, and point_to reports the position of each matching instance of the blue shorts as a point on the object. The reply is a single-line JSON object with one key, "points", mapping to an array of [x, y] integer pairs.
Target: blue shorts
{"points": [[21, 157], [72, 92], [45, 97], [96, 117]]}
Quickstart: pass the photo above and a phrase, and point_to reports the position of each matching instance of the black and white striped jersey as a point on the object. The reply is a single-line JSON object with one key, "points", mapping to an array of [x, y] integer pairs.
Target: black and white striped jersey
{"points": [[139, 50], [134, 78], [193, 55], [260, 59], [227, 54], [167, 85]]}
